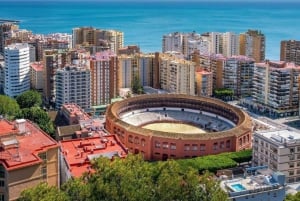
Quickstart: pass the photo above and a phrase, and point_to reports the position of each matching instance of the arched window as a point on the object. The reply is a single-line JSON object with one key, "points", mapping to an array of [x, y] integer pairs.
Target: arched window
{"points": [[130, 139]]}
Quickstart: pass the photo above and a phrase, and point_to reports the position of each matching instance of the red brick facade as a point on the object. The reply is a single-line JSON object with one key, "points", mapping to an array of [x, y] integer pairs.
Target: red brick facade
{"points": [[156, 145]]}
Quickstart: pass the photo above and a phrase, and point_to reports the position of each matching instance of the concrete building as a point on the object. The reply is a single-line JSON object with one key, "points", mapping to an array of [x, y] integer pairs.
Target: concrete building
{"points": [[100, 39], [5, 27], [140, 66], [76, 155], [185, 43], [17, 69], [52, 60], [290, 51], [259, 185], [130, 49], [238, 74], [73, 86], [230, 44], [279, 149], [204, 81], [28, 156], [253, 45], [176, 75], [235, 72], [2, 74], [37, 76], [276, 88], [104, 77]]}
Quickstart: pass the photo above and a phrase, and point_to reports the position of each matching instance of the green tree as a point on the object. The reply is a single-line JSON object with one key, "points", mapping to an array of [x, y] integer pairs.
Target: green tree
{"points": [[8, 107], [39, 116], [223, 93], [133, 179], [43, 192], [291, 197], [136, 86], [29, 99]]}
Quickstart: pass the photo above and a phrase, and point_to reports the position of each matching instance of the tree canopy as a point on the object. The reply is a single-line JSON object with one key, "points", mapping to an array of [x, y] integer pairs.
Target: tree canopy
{"points": [[43, 192], [291, 197], [8, 106], [136, 86], [29, 99], [133, 179], [223, 93], [39, 116]]}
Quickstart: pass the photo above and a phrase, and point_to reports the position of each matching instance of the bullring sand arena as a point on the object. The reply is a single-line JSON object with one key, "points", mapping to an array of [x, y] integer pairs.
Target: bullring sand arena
{"points": [[163, 126]]}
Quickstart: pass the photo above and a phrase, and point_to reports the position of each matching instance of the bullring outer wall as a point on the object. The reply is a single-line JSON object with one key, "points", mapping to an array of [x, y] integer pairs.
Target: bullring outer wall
{"points": [[156, 145]]}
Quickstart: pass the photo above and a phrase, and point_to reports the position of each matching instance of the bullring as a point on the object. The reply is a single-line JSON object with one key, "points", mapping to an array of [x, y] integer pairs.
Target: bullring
{"points": [[225, 127]]}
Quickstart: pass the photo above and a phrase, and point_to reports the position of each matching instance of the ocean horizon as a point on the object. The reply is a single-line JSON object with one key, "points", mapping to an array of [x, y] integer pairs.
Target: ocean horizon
{"points": [[144, 23]]}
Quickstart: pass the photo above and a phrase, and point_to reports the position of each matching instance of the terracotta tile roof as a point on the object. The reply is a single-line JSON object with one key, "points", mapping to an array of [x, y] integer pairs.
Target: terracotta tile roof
{"points": [[78, 153], [21, 149]]}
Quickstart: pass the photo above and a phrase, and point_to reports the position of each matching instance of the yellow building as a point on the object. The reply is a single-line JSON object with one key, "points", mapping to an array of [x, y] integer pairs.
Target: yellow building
{"points": [[28, 156]]}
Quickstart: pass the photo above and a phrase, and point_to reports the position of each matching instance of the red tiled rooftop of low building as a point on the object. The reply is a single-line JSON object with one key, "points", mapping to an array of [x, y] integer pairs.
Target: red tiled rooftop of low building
{"points": [[37, 66], [23, 147], [79, 152]]}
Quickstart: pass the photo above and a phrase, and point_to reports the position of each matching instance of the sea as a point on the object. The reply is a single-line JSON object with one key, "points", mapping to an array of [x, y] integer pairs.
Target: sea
{"points": [[145, 22]]}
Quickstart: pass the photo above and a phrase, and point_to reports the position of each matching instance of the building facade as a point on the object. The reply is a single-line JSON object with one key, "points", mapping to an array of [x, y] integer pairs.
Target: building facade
{"points": [[277, 94], [100, 39], [176, 75], [157, 145], [104, 77], [253, 45], [279, 150], [17, 69], [203, 83], [37, 76], [73, 86], [290, 51], [28, 157]]}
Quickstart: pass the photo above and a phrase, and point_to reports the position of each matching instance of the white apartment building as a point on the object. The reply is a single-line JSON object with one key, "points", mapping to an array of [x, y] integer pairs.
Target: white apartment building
{"points": [[238, 75], [279, 150], [73, 86], [276, 88], [17, 69], [139, 65], [177, 75], [231, 45]]}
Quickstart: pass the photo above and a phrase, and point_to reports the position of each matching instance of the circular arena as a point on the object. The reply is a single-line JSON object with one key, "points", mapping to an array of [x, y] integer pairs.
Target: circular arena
{"points": [[163, 126]]}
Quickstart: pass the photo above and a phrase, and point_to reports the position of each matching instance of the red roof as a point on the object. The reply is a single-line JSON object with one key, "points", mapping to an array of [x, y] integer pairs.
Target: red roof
{"points": [[37, 66], [78, 153], [19, 150]]}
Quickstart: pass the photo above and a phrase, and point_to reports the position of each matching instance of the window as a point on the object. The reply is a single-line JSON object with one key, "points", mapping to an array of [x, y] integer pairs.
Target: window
{"points": [[194, 147], [291, 165], [240, 142], [215, 146], [173, 146], [44, 172], [157, 144], [136, 140], [202, 147], [2, 172], [2, 197], [291, 172], [130, 139], [143, 142], [186, 147], [165, 145], [2, 183], [292, 150], [228, 144], [222, 146]]}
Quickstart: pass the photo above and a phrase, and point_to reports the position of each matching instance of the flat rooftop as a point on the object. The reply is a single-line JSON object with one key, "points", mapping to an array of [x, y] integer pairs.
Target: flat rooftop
{"points": [[263, 181], [281, 136], [79, 153]]}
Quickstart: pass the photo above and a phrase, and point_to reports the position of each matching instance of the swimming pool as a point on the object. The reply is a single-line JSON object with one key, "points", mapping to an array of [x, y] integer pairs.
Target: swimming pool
{"points": [[238, 187]]}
